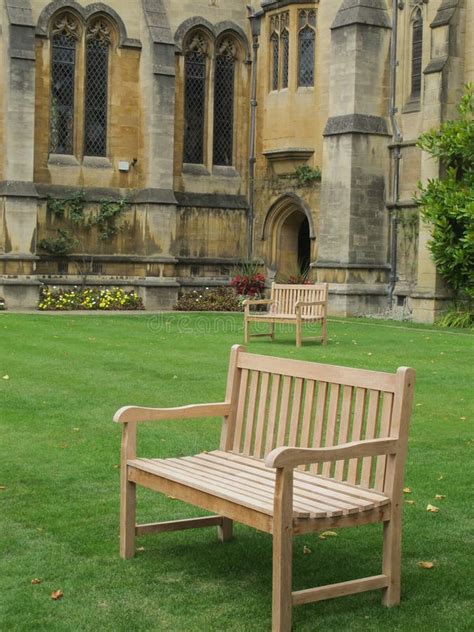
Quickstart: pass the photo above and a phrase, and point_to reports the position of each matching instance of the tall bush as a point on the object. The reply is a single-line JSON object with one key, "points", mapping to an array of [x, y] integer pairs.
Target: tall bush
{"points": [[447, 202]]}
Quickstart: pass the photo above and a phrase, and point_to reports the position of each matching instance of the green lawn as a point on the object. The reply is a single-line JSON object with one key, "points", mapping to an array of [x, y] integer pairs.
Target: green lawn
{"points": [[59, 496]]}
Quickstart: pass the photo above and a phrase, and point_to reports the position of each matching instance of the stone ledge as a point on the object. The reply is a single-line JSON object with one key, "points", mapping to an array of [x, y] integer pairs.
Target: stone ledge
{"points": [[435, 65], [445, 12], [284, 161], [352, 289], [351, 266], [212, 200], [356, 124], [270, 5], [16, 188], [364, 12]]}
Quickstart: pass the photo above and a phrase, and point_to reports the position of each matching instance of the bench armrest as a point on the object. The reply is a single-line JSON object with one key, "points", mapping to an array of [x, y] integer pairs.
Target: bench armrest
{"points": [[292, 457], [308, 303], [140, 413], [260, 301]]}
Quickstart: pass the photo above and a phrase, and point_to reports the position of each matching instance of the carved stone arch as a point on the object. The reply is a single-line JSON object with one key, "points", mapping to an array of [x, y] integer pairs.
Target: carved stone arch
{"points": [[46, 15], [85, 14], [416, 12], [192, 24], [282, 229], [280, 205], [198, 39], [221, 29]]}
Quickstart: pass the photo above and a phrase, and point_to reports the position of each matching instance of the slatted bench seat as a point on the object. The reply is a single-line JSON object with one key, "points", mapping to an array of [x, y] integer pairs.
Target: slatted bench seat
{"points": [[246, 481], [290, 304], [304, 447]]}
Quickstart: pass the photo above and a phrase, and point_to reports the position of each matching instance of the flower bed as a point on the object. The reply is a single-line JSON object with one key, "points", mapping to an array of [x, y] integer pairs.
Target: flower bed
{"points": [[219, 299], [55, 299]]}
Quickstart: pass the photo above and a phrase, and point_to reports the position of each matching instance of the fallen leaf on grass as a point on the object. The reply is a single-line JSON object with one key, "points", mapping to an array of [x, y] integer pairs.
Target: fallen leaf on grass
{"points": [[57, 594], [35, 580], [440, 477], [140, 549], [432, 508], [76, 429], [306, 550], [423, 564], [409, 502], [6, 377], [407, 490], [327, 534], [440, 497], [2, 487]]}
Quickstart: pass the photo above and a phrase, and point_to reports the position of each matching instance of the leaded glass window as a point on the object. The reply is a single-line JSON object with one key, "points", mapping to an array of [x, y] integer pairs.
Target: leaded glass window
{"points": [[279, 50], [63, 70], [224, 104], [285, 58], [96, 89], [275, 45], [416, 59], [195, 66], [306, 46]]}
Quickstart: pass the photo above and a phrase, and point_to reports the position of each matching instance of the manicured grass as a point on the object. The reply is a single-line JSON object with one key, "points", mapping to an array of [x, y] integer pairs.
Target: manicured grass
{"points": [[58, 466]]}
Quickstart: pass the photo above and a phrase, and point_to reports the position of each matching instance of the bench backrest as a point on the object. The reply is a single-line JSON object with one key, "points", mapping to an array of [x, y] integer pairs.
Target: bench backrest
{"points": [[279, 402], [287, 295]]}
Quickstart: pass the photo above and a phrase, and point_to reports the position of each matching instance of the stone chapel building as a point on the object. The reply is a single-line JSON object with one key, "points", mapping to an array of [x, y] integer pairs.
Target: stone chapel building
{"points": [[213, 119]]}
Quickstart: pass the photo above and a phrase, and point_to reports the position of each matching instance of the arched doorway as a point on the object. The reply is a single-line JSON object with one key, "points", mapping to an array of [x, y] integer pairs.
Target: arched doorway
{"points": [[289, 236]]}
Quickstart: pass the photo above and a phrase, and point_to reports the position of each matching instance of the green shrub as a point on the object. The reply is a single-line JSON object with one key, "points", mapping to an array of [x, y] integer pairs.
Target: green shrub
{"points": [[54, 299], [447, 203], [219, 299]]}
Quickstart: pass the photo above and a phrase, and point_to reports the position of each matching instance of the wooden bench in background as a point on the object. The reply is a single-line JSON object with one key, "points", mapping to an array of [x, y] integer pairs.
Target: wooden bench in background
{"points": [[290, 304], [304, 447]]}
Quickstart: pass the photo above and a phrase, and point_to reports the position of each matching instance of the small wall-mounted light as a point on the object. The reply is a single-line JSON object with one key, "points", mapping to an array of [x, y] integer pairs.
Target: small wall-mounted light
{"points": [[124, 165]]}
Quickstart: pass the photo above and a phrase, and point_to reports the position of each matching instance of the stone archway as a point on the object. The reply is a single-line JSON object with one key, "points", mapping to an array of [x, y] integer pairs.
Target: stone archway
{"points": [[289, 236]]}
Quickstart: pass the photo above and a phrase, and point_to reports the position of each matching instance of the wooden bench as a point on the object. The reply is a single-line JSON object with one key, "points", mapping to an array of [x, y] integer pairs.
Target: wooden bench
{"points": [[290, 304], [304, 447]]}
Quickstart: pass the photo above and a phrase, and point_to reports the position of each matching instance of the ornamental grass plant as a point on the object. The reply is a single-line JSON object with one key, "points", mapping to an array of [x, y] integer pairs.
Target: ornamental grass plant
{"points": [[62, 376]]}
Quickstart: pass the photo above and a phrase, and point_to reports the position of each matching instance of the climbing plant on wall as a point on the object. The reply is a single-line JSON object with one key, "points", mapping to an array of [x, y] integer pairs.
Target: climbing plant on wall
{"points": [[72, 209]]}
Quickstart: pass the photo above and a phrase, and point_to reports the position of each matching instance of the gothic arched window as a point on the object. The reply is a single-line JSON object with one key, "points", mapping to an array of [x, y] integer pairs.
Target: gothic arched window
{"points": [[195, 70], [416, 54], [279, 50], [63, 74], [224, 76], [80, 54], [306, 46], [285, 57], [98, 39], [275, 48]]}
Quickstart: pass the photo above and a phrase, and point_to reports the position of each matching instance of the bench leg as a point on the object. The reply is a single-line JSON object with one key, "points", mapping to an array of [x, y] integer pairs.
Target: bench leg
{"points": [[127, 518], [298, 332], [392, 536], [272, 330], [324, 333], [282, 552], [224, 532], [246, 330]]}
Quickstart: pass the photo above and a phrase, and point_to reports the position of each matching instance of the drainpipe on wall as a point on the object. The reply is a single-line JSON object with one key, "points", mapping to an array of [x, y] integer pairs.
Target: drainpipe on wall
{"points": [[254, 18], [395, 152]]}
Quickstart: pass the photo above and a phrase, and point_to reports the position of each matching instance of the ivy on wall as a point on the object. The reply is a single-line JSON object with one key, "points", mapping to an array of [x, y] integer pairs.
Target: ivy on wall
{"points": [[72, 209]]}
